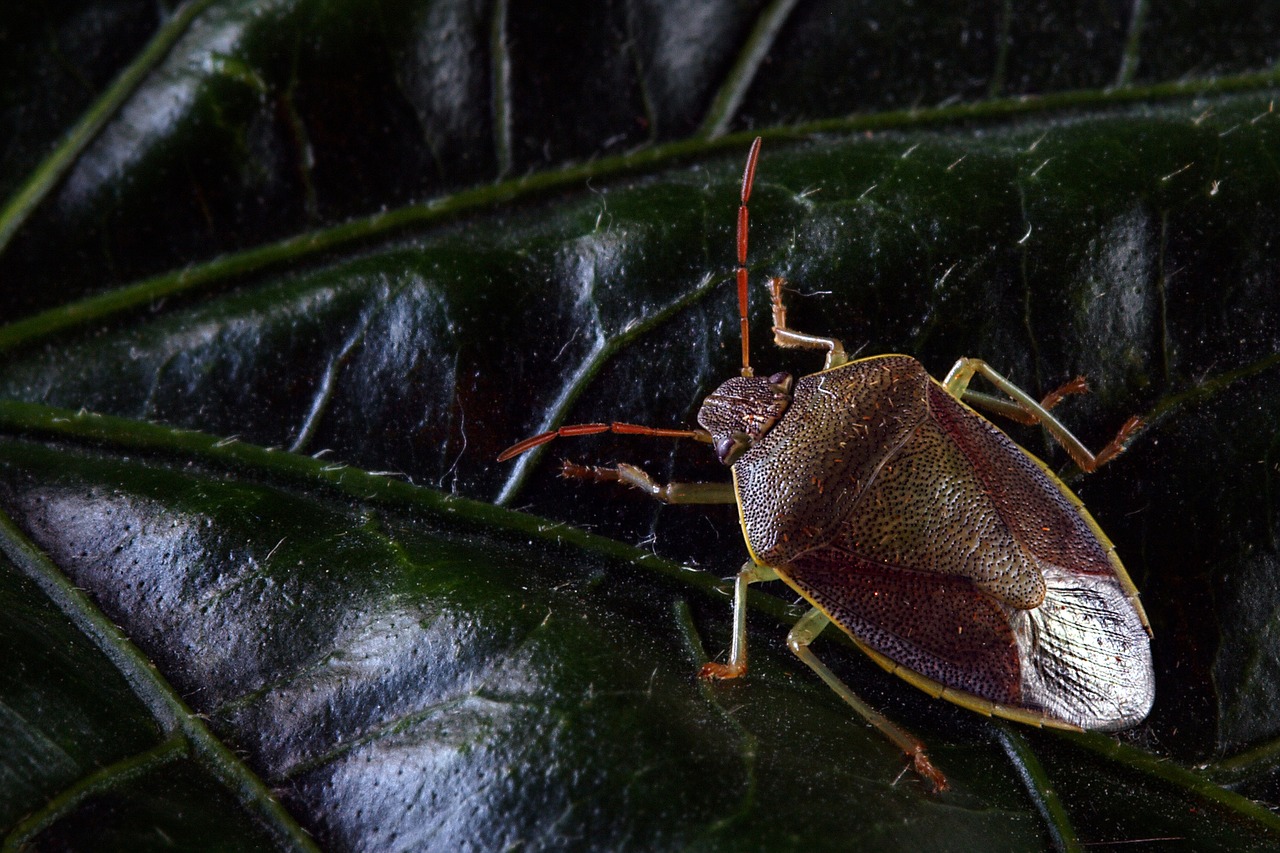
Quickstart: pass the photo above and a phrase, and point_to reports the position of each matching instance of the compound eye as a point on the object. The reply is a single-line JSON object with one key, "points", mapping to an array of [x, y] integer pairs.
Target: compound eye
{"points": [[781, 382], [725, 447]]}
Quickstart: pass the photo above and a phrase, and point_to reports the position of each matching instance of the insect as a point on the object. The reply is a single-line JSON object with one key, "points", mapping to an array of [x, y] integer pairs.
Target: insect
{"points": [[954, 558]]}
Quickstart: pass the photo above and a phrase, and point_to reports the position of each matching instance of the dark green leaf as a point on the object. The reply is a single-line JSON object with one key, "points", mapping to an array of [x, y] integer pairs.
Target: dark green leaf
{"points": [[398, 237]]}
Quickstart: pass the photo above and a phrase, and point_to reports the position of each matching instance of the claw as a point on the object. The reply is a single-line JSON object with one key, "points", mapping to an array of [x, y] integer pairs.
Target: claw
{"points": [[721, 671], [927, 771]]}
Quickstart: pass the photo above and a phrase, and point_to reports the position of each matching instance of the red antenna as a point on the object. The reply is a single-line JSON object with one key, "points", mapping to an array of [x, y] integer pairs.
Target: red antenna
{"points": [[595, 429], [748, 176], [573, 430]]}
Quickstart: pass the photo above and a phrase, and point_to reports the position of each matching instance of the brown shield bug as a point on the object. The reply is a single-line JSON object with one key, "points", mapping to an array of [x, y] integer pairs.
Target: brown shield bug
{"points": [[953, 557]]}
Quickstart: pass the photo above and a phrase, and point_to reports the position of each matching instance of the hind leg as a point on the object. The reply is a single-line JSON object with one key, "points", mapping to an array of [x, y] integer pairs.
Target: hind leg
{"points": [[957, 382]]}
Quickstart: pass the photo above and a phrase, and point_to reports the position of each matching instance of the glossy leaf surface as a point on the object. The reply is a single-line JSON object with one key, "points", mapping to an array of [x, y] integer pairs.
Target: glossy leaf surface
{"points": [[314, 242]]}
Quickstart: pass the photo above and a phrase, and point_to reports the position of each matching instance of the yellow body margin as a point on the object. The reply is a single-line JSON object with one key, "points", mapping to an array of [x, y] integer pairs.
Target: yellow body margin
{"points": [[742, 522]]}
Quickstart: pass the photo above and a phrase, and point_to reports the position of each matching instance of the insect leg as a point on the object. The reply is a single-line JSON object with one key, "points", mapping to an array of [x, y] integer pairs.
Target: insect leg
{"points": [[804, 632], [671, 493], [957, 382], [785, 337], [1009, 409], [737, 665]]}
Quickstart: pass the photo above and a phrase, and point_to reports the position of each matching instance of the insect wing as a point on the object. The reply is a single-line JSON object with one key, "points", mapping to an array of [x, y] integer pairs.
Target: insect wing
{"points": [[939, 626], [1072, 660]]}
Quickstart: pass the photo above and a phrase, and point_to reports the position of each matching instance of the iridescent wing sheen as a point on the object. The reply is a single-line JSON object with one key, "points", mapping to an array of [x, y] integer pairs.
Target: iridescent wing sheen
{"points": [[1081, 658]]}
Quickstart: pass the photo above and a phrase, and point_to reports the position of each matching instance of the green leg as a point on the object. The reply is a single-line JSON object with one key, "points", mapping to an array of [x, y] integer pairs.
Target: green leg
{"points": [[785, 337], [804, 632], [1005, 407], [737, 665], [957, 382], [670, 493]]}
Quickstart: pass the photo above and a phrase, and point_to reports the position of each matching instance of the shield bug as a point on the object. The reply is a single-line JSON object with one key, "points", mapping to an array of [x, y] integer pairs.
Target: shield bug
{"points": [[953, 557]]}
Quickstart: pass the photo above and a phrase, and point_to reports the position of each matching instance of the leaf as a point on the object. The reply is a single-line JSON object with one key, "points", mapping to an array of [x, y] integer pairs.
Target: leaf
{"points": [[360, 252]]}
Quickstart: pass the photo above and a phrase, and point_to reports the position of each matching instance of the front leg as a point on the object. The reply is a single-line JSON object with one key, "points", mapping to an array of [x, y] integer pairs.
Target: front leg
{"points": [[670, 493], [791, 339]]}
